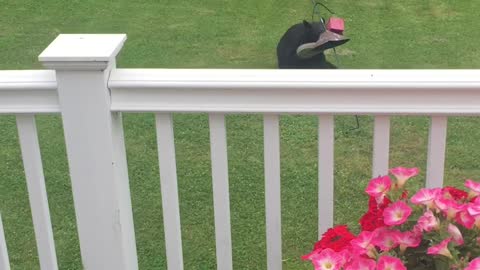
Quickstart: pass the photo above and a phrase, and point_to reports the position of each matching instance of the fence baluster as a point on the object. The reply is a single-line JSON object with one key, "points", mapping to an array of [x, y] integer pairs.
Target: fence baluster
{"points": [[169, 189], [325, 173], [4, 261], [221, 198], [37, 193], [272, 191], [381, 145], [437, 140]]}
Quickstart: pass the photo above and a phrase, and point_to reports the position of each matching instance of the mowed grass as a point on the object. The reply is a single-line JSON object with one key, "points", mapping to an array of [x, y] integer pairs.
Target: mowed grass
{"points": [[232, 34]]}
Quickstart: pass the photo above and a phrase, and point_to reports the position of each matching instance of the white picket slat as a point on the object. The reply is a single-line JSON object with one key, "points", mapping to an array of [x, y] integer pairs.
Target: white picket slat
{"points": [[325, 173], [37, 193], [4, 261], [169, 190], [125, 202], [381, 145], [221, 198], [437, 140], [273, 210]]}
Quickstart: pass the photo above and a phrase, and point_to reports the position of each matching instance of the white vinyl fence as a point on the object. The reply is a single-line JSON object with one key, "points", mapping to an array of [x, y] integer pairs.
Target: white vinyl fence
{"points": [[90, 93]]}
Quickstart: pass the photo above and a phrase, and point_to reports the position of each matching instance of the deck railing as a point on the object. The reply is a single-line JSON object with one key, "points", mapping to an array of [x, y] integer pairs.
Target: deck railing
{"points": [[90, 93]]}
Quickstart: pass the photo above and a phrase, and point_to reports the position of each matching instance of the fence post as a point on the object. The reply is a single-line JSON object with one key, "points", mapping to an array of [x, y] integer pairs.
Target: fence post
{"points": [[95, 148]]}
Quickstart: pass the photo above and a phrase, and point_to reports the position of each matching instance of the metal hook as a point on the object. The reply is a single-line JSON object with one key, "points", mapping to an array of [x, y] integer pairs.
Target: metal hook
{"points": [[316, 3]]}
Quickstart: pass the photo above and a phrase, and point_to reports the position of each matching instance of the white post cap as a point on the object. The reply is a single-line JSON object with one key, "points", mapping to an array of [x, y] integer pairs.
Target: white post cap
{"points": [[82, 51]]}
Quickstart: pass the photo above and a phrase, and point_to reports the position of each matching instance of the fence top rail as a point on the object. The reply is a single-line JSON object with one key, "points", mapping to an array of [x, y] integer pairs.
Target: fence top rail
{"points": [[28, 91], [418, 92], [27, 80], [379, 92], [294, 79]]}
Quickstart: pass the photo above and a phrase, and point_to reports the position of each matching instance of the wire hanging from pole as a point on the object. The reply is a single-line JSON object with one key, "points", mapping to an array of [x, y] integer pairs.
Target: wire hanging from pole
{"points": [[316, 5], [315, 11]]}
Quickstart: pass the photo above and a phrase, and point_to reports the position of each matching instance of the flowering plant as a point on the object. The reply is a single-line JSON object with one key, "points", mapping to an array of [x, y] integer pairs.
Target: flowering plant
{"points": [[436, 228]]}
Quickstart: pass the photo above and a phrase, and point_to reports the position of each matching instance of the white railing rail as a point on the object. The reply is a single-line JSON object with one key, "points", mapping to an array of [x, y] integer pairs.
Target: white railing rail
{"points": [[388, 92], [28, 91], [90, 93]]}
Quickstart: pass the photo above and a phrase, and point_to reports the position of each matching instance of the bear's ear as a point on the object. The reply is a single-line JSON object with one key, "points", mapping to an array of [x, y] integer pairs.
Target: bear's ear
{"points": [[307, 24]]}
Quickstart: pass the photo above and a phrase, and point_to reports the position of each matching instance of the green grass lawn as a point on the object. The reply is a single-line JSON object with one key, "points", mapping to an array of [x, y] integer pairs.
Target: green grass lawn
{"points": [[232, 34]]}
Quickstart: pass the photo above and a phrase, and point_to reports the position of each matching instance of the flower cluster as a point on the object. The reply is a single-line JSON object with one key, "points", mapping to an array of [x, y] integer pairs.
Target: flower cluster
{"points": [[436, 228]]}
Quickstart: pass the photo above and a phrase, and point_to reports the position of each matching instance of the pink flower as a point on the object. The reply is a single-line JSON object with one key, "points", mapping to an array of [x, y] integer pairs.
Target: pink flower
{"points": [[390, 263], [345, 255], [441, 249], [363, 244], [403, 174], [454, 193], [473, 186], [327, 260], [455, 234], [396, 213], [474, 264], [449, 207], [362, 264], [426, 196], [407, 239], [465, 219], [473, 210], [428, 222], [418, 230], [378, 187], [384, 239]]}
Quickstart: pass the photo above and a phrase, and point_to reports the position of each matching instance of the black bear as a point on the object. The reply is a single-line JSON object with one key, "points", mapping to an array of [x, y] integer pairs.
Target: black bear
{"points": [[296, 36]]}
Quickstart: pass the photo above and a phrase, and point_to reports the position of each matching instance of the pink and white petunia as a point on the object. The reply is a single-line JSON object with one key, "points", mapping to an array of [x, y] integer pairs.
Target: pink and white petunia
{"points": [[441, 249], [456, 235], [384, 239], [473, 186], [346, 255], [417, 230], [396, 213], [473, 210], [407, 239], [378, 187], [403, 174], [474, 264], [449, 207], [327, 260], [426, 196], [465, 219], [363, 244], [361, 264], [390, 263], [428, 222]]}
